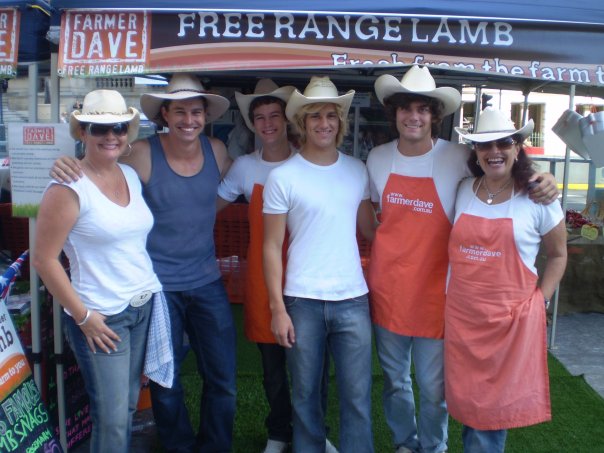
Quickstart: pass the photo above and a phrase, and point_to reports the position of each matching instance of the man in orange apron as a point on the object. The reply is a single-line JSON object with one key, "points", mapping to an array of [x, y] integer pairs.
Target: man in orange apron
{"points": [[264, 114], [414, 180], [495, 341]]}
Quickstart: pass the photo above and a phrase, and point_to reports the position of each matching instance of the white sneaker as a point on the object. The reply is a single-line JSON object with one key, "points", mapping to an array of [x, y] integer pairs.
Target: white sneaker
{"points": [[329, 448], [275, 446], [403, 449]]}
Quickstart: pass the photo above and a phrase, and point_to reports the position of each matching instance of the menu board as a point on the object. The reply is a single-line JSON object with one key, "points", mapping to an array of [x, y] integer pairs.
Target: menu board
{"points": [[33, 148]]}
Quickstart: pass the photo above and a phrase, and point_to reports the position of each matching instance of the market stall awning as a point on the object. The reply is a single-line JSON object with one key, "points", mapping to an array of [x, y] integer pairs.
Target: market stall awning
{"points": [[587, 11], [23, 27], [107, 42]]}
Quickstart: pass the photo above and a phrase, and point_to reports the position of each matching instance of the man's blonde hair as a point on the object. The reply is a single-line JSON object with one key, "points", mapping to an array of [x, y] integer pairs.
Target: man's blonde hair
{"points": [[300, 117]]}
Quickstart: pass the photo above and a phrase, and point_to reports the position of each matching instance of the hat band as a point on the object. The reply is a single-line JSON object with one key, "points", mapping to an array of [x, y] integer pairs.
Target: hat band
{"points": [[495, 131], [96, 112], [187, 89]]}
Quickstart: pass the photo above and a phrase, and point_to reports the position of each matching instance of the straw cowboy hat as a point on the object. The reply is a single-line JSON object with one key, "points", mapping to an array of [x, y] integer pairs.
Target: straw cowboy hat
{"points": [[493, 125], [568, 128], [418, 81], [264, 87], [319, 89], [183, 86], [104, 107], [592, 131]]}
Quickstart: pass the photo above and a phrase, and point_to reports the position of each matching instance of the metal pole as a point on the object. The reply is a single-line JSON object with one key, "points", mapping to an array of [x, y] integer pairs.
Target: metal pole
{"points": [[34, 280], [56, 307], [571, 105]]}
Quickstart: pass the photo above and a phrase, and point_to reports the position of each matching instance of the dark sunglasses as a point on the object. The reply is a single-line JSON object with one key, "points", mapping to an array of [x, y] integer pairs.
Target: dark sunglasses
{"points": [[99, 130], [501, 144]]}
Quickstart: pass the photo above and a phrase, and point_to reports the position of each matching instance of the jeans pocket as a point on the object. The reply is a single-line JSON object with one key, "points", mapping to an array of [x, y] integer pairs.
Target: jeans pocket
{"points": [[363, 299], [289, 301]]}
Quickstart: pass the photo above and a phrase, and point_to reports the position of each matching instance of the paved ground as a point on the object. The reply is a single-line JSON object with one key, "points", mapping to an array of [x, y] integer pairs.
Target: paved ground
{"points": [[579, 345]]}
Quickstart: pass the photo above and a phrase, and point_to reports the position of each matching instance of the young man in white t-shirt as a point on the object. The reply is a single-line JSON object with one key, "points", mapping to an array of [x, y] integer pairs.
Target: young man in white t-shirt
{"points": [[317, 195], [264, 114], [414, 181]]}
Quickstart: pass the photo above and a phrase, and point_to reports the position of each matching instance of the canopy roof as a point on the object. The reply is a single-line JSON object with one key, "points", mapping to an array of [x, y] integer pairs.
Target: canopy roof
{"points": [[524, 45], [586, 11]]}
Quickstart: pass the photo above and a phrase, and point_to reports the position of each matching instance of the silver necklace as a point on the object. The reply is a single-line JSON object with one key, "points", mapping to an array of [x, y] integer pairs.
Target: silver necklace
{"points": [[112, 186], [492, 195]]}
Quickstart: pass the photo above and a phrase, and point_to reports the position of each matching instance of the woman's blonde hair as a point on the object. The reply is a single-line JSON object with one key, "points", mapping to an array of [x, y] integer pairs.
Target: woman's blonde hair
{"points": [[300, 117]]}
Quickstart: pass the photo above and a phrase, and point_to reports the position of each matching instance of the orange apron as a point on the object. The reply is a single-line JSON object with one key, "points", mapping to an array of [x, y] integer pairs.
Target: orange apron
{"points": [[257, 314], [409, 261], [495, 345]]}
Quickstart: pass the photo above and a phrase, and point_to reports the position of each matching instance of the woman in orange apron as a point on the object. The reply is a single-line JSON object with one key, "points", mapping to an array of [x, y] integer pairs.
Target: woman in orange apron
{"points": [[496, 374]]}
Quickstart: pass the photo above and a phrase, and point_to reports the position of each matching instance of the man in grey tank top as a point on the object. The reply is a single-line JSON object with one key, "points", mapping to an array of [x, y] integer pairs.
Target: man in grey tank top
{"points": [[180, 171]]}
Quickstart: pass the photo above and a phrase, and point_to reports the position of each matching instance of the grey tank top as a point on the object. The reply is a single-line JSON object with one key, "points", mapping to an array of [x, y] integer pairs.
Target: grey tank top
{"points": [[181, 242]]}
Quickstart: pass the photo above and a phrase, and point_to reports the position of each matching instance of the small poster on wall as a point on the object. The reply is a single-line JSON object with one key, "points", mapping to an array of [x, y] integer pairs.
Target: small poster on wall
{"points": [[33, 148]]}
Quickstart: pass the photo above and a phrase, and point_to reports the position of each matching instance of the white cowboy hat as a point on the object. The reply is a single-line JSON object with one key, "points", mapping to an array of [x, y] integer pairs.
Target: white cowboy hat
{"points": [[104, 107], [569, 130], [494, 124], [183, 86], [319, 89], [418, 81], [592, 130], [264, 87]]}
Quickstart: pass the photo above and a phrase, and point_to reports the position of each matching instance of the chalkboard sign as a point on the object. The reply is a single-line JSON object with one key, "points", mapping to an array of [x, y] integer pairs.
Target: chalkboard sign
{"points": [[24, 420]]}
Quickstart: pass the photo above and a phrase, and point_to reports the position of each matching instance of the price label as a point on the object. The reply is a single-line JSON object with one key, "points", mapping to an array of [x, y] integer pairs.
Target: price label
{"points": [[589, 232]]}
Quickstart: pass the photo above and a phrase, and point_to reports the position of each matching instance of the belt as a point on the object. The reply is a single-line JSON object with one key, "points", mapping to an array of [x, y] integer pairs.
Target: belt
{"points": [[141, 299]]}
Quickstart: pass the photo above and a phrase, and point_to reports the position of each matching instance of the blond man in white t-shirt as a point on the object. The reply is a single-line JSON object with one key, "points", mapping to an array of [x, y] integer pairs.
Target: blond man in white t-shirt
{"points": [[317, 195]]}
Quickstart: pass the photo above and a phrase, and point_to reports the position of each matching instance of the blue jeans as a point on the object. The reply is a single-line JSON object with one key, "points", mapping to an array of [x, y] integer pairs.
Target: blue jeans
{"points": [[276, 388], [480, 441], [344, 329], [205, 314], [395, 352], [112, 380]]}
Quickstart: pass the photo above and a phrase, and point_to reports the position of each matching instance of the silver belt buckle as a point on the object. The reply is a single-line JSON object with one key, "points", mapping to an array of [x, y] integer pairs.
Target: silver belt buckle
{"points": [[141, 299]]}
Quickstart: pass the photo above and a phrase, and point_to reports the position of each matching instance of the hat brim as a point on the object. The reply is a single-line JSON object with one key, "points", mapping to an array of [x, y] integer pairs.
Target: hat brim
{"points": [[151, 104], [132, 117], [245, 100], [483, 137], [298, 100], [387, 85]]}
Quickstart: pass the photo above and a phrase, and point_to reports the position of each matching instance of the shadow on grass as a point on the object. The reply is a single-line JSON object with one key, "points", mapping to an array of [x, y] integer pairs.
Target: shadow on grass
{"points": [[577, 425]]}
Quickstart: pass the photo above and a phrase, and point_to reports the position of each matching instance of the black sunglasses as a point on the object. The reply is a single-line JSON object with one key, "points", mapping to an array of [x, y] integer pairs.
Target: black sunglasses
{"points": [[502, 143], [99, 130]]}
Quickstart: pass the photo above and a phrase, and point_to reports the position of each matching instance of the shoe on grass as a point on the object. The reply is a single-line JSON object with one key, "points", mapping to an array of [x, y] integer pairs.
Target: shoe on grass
{"points": [[403, 449], [275, 446], [329, 448]]}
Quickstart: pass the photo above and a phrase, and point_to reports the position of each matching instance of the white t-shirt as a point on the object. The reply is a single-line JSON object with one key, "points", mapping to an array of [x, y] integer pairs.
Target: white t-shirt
{"points": [[531, 220], [446, 164], [321, 203], [246, 171], [107, 247]]}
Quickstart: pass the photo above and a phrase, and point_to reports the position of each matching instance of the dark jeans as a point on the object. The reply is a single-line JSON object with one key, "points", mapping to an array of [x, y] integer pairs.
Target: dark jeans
{"points": [[276, 388], [205, 314]]}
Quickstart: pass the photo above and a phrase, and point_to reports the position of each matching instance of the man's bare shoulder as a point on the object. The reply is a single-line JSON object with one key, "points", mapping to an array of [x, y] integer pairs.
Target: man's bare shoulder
{"points": [[139, 158]]}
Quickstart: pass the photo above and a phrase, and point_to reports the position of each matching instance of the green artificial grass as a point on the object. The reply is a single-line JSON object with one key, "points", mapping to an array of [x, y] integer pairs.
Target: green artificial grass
{"points": [[577, 425]]}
